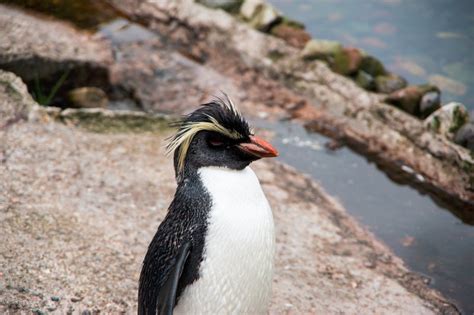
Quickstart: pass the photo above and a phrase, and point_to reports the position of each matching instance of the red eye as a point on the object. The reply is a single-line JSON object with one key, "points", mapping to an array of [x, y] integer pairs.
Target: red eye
{"points": [[216, 142]]}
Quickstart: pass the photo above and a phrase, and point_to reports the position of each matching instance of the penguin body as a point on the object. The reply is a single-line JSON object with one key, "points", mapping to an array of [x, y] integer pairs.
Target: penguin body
{"points": [[237, 266], [213, 252]]}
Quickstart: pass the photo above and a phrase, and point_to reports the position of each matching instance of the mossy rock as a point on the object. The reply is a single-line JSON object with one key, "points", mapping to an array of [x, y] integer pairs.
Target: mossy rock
{"points": [[347, 61], [296, 37], [409, 98], [448, 120], [321, 49], [372, 66], [292, 23], [365, 80], [389, 83]]}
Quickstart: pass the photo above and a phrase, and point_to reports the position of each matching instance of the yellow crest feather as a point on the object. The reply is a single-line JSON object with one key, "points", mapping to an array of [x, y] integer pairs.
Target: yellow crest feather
{"points": [[182, 140]]}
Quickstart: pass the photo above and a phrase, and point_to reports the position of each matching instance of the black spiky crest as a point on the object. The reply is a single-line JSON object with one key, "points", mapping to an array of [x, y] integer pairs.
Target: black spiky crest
{"points": [[220, 115]]}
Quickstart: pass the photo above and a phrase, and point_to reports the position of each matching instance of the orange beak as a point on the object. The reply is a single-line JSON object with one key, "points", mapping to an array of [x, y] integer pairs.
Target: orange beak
{"points": [[258, 147]]}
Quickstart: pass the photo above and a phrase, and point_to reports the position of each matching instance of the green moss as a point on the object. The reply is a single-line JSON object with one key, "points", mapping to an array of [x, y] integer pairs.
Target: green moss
{"points": [[372, 66], [100, 123], [292, 23], [467, 166], [275, 55], [232, 7], [435, 123], [459, 119]]}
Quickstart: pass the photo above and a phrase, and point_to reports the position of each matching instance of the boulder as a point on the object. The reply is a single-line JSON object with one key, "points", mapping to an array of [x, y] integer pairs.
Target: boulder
{"points": [[250, 7], [365, 80], [88, 97], [36, 48], [15, 103], [448, 119], [294, 36], [465, 136], [409, 98], [389, 83], [430, 102], [321, 49], [372, 66], [260, 15], [347, 61]]}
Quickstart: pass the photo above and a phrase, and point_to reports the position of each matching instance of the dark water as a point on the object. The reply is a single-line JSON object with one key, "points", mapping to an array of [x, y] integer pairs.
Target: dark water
{"points": [[423, 40], [428, 237]]}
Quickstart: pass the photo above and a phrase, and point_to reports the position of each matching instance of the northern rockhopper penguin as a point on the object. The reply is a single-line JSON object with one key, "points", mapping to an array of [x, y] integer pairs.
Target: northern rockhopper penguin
{"points": [[213, 252]]}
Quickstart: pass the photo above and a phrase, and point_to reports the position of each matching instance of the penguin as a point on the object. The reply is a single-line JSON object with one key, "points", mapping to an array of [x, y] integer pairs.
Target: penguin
{"points": [[213, 252]]}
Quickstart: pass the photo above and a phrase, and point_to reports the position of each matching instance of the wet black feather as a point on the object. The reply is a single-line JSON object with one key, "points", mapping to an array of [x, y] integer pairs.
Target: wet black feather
{"points": [[186, 221]]}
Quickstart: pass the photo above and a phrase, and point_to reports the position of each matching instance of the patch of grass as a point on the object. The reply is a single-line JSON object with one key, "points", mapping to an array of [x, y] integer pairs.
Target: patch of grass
{"points": [[46, 99]]}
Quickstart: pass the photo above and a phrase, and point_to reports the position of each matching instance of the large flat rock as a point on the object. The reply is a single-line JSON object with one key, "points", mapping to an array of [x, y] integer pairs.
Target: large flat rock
{"points": [[78, 209], [37, 47]]}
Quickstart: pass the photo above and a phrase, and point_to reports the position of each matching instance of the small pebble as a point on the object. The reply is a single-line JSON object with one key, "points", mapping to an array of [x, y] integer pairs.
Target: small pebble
{"points": [[75, 299], [55, 298], [369, 264]]}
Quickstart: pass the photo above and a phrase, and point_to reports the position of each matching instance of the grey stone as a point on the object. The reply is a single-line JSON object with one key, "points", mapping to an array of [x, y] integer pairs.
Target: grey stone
{"points": [[430, 102], [465, 136]]}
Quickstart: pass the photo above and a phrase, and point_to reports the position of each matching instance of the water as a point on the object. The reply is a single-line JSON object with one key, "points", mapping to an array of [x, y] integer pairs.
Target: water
{"points": [[429, 238], [423, 40]]}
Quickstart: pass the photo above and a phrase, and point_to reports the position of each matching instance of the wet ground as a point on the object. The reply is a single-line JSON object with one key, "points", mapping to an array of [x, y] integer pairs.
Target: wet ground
{"points": [[423, 40], [427, 236]]}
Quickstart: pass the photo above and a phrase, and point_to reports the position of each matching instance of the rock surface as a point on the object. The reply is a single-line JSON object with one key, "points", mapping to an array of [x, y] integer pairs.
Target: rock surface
{"points": [[78, 209], [35, 48]]}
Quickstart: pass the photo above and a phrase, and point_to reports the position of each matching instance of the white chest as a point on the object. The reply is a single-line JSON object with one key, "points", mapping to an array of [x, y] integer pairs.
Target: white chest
{"points": [[236, 272]]}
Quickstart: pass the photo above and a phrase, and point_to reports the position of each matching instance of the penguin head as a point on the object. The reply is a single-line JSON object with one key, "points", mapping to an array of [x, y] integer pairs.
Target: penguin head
{"points": [[216, 134]]}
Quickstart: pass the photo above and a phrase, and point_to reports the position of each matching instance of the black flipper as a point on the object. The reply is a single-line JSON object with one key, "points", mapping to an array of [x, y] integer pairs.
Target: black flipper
{"points": [[167, 295]]}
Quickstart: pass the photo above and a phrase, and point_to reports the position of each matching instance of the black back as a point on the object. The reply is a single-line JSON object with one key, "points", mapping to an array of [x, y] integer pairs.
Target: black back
{"points": [[186, 221]]}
